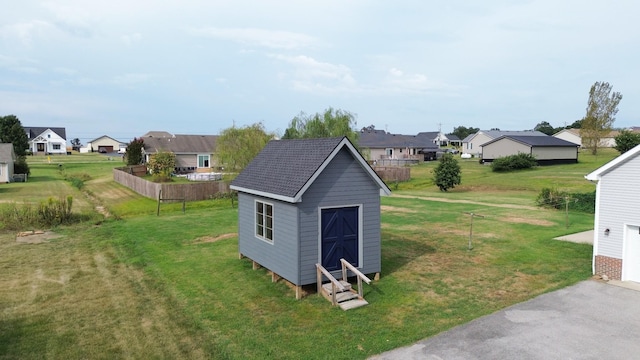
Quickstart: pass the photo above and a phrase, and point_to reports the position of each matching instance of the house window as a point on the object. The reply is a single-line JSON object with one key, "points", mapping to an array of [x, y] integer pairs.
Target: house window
{"points": [[56, 146], [203, 161], [389, 151], [264, 221]]}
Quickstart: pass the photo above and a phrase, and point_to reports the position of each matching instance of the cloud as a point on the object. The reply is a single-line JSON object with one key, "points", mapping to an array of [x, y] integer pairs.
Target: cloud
{"points": [[131, 38], [311, 75], [131, 79], [25, 32], [258, 37]]}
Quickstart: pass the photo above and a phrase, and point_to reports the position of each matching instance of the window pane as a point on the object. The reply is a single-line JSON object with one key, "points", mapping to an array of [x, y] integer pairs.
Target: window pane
{"points": [[269, 222], [259, 207], [259, 230], [269, 234], [269, 210]]}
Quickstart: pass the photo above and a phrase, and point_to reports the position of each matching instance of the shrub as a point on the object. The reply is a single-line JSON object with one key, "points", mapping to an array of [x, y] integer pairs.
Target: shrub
{"points": [[447, 174], [554, 198], [21, 166], [551, 197], [514, 162], [48, 213]]}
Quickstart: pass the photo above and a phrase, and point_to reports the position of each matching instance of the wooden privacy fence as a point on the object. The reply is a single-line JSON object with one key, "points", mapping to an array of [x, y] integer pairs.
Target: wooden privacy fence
{"points": [[188, 192], [393, 173]]}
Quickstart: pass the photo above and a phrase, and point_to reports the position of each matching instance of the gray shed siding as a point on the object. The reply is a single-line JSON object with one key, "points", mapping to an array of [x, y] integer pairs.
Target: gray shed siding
{"points": [[504, 147], [342, 183], [619, 204], [555, 153], [280, 257]]}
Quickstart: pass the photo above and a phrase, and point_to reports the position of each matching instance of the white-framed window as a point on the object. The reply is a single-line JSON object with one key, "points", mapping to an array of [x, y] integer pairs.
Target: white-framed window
{"points": [[264, 221], [56, 146], [203, 161]]}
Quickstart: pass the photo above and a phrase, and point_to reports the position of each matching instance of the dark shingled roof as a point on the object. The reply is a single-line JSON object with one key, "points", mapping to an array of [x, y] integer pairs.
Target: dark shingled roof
{"points": [[382, 139], [33, 132], [533, 141], [284, 167]]}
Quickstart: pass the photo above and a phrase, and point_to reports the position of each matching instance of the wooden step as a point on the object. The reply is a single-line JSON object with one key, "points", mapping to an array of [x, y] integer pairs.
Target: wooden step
{"points": [[327, 287], [345, 296], [352, 304]]}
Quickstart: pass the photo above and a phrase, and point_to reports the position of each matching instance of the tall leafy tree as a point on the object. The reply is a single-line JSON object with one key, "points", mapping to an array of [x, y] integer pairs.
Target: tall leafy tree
{"points": [[134, 152], [462, 132], [11, 131], [331, 123], [545, 128], [76, 144], [626, 141], [602, 108], [236, 147], [447, 174]]}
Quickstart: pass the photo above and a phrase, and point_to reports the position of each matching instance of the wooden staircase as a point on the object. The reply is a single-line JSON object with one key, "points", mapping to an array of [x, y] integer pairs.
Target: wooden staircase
{"points": [[340, 292]]}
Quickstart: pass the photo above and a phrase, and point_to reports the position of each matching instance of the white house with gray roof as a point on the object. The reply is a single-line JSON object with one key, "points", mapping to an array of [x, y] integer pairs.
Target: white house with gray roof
{"points": [[616, 241], [46, 140], [304, 202]]}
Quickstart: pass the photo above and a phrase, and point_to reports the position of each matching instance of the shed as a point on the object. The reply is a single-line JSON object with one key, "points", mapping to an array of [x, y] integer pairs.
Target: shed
{"points": [[546, 149], [308, 201], [616, 240], [7, 159]]}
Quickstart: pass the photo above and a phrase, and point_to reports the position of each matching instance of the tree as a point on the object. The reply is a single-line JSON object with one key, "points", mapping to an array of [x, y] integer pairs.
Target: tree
{"points": [[134, 152], [447, 174], [236, 147], [545, 128], [601, 110], [161, 164], [332, 123], [76, 144], [626, 141], [462, 132], [11, 131]]}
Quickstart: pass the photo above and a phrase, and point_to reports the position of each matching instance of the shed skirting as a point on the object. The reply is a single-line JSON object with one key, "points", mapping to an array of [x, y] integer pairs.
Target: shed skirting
{"points": [[611, 267]]}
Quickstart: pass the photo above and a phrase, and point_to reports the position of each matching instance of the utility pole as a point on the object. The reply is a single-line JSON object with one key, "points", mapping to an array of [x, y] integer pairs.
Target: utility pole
{"points": [[471, 226]]}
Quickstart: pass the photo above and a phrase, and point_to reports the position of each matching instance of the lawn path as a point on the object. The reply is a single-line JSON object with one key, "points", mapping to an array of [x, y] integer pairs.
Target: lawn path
{"points": [[506, 206]]}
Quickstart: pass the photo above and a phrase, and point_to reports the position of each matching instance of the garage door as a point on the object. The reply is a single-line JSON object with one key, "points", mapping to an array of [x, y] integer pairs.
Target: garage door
{"points": [[631, 262]]}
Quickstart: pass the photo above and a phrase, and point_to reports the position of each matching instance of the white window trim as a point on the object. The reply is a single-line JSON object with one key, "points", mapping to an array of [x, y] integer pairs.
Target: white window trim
{"points": [[255, 223]]}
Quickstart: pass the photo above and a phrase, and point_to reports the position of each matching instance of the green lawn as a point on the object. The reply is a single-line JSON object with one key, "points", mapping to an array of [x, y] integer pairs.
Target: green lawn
{"points": [[171, 286]]}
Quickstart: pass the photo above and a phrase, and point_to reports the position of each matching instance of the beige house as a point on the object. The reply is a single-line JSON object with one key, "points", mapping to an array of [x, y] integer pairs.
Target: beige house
{"points": [[194, 153], [546, 149], [104, 144], [472, 144]]}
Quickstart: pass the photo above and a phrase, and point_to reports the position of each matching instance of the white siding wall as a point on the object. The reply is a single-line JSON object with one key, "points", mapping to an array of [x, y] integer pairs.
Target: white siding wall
{"points": [[619, 204], [555, 153], [473, 147]]}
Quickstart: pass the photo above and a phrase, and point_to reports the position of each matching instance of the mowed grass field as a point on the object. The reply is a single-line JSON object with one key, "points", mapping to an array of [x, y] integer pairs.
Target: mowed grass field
{"points": [[136, 285]]}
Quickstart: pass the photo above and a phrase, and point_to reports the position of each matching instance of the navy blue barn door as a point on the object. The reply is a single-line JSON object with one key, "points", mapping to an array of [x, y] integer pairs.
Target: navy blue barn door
{"points": [[339, 237]]}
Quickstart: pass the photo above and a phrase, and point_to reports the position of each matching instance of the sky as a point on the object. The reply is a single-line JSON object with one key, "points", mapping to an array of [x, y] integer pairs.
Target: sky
{"points": [[122, 68]]}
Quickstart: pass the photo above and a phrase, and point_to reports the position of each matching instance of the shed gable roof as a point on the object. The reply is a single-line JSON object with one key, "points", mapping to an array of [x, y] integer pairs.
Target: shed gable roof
{"points": [[285, 169], [105, 137], [617, 162], [6, 153]]}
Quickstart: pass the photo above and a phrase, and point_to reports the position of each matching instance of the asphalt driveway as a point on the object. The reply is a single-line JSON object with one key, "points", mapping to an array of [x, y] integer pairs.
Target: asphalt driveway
{"points": [[590, 320]]}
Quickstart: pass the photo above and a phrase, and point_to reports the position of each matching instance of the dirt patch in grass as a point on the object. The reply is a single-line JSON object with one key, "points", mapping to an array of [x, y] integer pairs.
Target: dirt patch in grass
{"points": [[396, 209], [210, 239], [35, 237], [530, 221]]}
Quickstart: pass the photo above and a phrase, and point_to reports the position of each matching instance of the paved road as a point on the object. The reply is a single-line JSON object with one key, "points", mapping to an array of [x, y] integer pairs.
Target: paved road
{"points": [[590, 320]]}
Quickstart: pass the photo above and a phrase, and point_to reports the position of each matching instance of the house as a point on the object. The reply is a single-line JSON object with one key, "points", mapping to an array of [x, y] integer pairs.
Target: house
{"points": [[194, 153], [572, 135], [308, 201], [104, 144], [472, 143], [381, 145], [616, 239], [47, 140], [546, 149], [7, 159]]}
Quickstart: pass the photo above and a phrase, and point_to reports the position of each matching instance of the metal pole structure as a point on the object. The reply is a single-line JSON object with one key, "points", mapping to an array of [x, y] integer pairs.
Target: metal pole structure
{"points": [[471, 227]]}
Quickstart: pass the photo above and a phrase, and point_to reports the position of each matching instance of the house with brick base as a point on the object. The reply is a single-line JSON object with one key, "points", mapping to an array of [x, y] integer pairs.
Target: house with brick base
{"points": [[616, 240]]}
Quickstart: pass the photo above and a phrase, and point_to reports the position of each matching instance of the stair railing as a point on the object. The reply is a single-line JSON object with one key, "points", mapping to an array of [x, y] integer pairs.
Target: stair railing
{"points": [[360, 276], [335, 284]]}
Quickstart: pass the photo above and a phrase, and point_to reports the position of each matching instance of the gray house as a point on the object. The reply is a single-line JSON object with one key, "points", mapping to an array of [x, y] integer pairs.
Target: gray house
{"points": [[309, 201], [546, 149], [616, 240]]}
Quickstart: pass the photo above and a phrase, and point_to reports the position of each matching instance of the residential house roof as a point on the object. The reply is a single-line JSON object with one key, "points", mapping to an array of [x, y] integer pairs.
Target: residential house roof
{"points": [[180, 144], [383, 139], [535, 141], [285, 169], [33, 132], [6, 153], [494, 134], [157, 134], [108, 137], [597, 174]]}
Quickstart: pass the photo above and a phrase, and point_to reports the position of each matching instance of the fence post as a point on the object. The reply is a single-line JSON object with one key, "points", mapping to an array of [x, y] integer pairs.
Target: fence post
{"points": [[159, 197]]}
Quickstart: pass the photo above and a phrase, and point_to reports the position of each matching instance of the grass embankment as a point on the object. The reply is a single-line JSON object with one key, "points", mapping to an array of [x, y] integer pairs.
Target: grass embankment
{"points": [[173, 287]]}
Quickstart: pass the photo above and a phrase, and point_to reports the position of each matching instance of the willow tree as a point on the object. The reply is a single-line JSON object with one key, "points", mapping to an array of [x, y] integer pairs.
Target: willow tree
{"points": [[602, 108], [236, 147], [331, 123]]}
